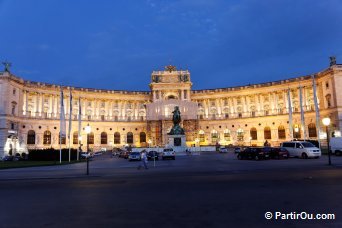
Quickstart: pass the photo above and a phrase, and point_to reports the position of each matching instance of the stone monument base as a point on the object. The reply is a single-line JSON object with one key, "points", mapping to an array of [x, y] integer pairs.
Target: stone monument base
{"points": [[177, 142]]}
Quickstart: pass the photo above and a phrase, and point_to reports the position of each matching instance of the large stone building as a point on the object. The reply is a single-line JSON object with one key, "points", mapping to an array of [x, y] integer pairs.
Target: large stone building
{"points": [[243, 115]]}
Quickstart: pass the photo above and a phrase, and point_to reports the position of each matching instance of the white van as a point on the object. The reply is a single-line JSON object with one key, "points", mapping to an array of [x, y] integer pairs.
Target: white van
{"points": [[336, 146], [301, 149]]}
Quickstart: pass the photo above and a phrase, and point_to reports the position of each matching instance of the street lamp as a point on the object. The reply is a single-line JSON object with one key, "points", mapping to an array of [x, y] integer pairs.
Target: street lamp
{"points": [[326, 123], [79, 147], [149, 142], [296, 131], [88, 130], [197, 141]]}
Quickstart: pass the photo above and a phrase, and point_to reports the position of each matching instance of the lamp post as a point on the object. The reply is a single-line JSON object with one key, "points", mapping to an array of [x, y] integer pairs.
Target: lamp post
{"points": [[326, 123], [88, 130], [79, 147], [296, 131], [149, 142], [197, 141]]}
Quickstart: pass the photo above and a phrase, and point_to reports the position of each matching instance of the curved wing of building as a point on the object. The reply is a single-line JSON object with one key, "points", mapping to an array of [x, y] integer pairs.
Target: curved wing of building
{"points": [[244, 115]]}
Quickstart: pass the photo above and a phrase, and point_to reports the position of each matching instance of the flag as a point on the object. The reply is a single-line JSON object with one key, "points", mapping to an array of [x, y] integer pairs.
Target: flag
{"points": [[316, 106], [70, 123], [79, 122], [62, 130], [290, 113], [302, 120]]}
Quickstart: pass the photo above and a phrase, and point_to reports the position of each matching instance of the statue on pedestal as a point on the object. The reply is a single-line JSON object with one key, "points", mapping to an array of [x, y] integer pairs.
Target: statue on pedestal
{"points": [[176, 118]]}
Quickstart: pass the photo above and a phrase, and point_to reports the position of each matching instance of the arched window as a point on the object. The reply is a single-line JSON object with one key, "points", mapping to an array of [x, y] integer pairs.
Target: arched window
{"points": [[254, 133], [281, 132], [129, 137], [117, 138], [31, 137], [240, 134], [142, 137], [312, 130], [214, 136], [47, 138], [91, 138], [267, 133], [201, 136], [61, 140], [75, 138], [226, 134], [103, 138]]}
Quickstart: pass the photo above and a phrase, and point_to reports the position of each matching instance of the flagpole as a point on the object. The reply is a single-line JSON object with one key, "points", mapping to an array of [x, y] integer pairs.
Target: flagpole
{"points": [[79, 127], [316, 109], [290, 113], [61, 125], [70, 116], [302, 120]]}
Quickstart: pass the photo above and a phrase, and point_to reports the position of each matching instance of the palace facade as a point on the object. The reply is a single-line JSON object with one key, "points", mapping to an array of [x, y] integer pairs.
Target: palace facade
{"points": [[243, 115]]}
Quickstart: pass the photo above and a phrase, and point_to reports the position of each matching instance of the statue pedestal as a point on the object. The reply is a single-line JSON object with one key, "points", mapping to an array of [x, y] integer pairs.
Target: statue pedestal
{"points": [[177, 142]]}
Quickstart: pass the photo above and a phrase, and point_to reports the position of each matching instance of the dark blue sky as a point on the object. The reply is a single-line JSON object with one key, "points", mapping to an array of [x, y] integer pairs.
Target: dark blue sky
{"points": [[117, 44]]}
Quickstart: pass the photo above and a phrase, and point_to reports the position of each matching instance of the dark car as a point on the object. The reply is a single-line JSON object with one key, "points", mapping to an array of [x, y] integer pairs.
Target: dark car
{"points": [[256, 153], [237, 150], [278, 153], [151, 155], [8, 158], [124, 154]]}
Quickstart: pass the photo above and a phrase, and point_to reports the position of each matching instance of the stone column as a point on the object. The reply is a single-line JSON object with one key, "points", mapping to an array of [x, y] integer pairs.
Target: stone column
{"points": [[84, 107], [188, 91], [42, 104], [286, 103], [93, 107], [244, 105], [24, 102], [182, 94], [50, 105], [36, 105], [275, 101], [230, 104], [110, 109]]}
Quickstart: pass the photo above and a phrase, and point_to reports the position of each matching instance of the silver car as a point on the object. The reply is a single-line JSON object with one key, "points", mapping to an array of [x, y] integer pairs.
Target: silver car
{"points": [[134, 156]]}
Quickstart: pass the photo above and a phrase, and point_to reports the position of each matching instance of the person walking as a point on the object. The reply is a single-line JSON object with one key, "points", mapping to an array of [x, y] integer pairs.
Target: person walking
{"points": [[143, 160]]}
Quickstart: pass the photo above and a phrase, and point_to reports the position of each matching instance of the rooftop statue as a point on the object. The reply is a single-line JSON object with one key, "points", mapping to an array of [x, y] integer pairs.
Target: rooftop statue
{"points": [[7, 66]]}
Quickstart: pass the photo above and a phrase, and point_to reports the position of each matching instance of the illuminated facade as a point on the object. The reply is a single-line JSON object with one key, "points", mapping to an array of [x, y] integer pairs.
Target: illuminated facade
{"points": [[244, 115]]}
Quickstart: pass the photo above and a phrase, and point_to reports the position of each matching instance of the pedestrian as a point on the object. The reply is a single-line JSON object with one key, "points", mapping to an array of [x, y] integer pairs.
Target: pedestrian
{"points": [[143, 160]]}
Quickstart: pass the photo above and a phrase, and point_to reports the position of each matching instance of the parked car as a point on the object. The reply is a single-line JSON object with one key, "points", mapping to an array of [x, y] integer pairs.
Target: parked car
{"points": [[134, 156], [336, 146], [124, 154], [18, 158], [97, 153], [223, 149], [86, 155], [301, 149], [168, 153], [256, 153], [151, 155], [278, 153], [237, 150], [8, 158]]}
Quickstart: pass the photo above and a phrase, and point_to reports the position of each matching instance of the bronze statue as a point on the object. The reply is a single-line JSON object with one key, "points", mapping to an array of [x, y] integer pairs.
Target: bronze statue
{"points": [[176, 118], [7, 66]]}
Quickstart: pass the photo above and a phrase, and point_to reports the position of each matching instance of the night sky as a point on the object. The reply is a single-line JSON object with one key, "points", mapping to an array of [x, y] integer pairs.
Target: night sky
{"points": [[117, 44]]}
